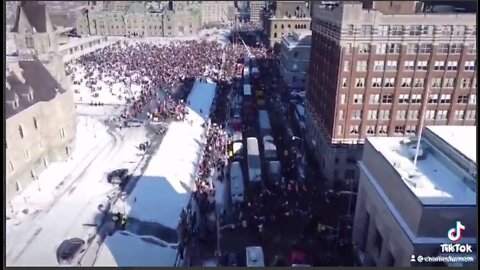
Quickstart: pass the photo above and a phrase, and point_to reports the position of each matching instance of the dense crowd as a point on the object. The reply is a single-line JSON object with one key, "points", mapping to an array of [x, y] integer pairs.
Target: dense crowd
{"points": [[249, 27]]}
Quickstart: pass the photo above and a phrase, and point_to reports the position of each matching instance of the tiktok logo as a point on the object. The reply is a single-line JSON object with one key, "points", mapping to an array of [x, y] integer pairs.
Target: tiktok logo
{"points": [[455, 233]]}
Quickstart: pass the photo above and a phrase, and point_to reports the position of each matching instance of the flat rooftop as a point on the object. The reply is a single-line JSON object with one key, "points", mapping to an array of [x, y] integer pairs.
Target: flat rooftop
{"points": [[462, 138], [433, 181]]}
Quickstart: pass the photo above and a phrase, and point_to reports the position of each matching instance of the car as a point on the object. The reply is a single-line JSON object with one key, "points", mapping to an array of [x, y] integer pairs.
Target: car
{"points": [[69, 250], [118, 176]]}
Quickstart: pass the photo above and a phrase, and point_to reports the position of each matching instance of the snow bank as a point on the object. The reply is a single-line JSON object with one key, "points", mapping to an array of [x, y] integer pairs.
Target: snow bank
{"points": [[164, 188], [124, 249]]}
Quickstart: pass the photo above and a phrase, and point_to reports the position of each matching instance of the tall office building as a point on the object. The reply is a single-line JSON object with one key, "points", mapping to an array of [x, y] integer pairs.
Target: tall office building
{"points": [[375, 64]]}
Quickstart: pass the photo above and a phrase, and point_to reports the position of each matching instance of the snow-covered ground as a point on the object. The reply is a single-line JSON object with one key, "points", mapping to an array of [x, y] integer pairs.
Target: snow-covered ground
{"points": [[73, 210], [125, 249]]}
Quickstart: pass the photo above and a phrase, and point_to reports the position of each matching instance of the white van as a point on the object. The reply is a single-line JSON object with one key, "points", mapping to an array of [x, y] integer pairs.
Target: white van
{"points": [[255, 256], [237, 188], [237, 150]]}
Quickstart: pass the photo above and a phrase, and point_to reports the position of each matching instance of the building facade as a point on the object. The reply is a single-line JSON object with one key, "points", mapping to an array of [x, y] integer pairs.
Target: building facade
{"points": [[406, 209], [140, 20], [217, 13], [256, 8], [39, 108], [295, 58], [283, 18], [369, 74]]}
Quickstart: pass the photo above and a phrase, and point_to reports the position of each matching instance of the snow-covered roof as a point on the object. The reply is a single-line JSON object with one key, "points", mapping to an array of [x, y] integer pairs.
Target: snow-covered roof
{"points": [[462, 138], [434, 179], [125, 249]]}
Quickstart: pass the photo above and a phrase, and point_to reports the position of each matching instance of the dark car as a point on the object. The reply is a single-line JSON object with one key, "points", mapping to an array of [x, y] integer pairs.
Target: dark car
{"points": [[118, 177], [69, 250]]}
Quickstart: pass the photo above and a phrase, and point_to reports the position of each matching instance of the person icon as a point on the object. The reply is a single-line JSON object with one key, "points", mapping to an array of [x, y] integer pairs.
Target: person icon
{"points": [[413, 259]]}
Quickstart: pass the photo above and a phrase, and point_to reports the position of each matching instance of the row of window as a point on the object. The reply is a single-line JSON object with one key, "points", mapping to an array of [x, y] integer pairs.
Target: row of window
{"points": [[412, 30], [378, 82], [425, 48], [409, 115], [21, 132], [296, 26], [392, 65], [413, 99], [406, 129]]}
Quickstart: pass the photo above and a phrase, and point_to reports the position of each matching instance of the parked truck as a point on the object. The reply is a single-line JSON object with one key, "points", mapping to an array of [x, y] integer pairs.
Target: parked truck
{"points": [[264, 122], [269, 148], [253, 161]]}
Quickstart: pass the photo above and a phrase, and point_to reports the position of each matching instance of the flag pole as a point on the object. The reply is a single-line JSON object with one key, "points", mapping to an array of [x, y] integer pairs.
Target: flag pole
{"points": [[422, 122]]}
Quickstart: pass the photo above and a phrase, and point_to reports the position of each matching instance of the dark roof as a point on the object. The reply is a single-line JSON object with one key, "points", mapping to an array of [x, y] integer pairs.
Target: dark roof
{"points": [[35, 13], [39, 78]]}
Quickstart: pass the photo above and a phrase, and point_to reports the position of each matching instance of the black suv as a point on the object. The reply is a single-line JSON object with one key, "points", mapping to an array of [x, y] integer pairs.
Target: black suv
{"points": [[118, 177]]}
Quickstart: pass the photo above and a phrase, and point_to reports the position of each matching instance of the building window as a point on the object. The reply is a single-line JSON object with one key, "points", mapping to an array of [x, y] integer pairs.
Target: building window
{"points": [[433, 99], [389, 82], [343, 99], [412, 114], [379, 65], [443, 48], [410, 129], [370, 130], [378, 240], [406, 82], [471, 115], [422, 65], [415, 30], [439, 65], [472, 99], [344, 82], [358, 99], [340, 114], [360, 82], [452, 65], [391, 66], [409, 65], [430, 114], [425, 48], [436, 82], [412, 48], [366, 30], [339, 130], [354, 129], [348, 48], [445, 98], [387, 98], [469, 66], [459, 30], [394, 48], [356, 114], [401, 115], [403, 98], [459, 115], [361, 65], [462, 99], [351, 29], [442, 115], [472, 48], [383, 30], [281, 26], [275, 35], [275, 26], [456, 48], [398, 130], [448, 82], [29, 41], [62, 133], [364, 48], [381, 48], [382, 129], [18, 187], [20, 132], [416, 99], [446, 30], [372, 115], [35, 123], [374, 99], [397, 30], [346, 66], [295, 54]]}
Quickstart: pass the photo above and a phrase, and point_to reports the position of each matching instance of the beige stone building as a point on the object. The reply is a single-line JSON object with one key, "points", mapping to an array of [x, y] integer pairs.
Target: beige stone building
{"points": [[39, 109], [217, 13], [137, 19], [287, 16], [256, 8]]}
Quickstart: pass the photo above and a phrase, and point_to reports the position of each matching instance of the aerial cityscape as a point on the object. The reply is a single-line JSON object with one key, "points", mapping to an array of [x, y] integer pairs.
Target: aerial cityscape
{"points": [[241, 133]]}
